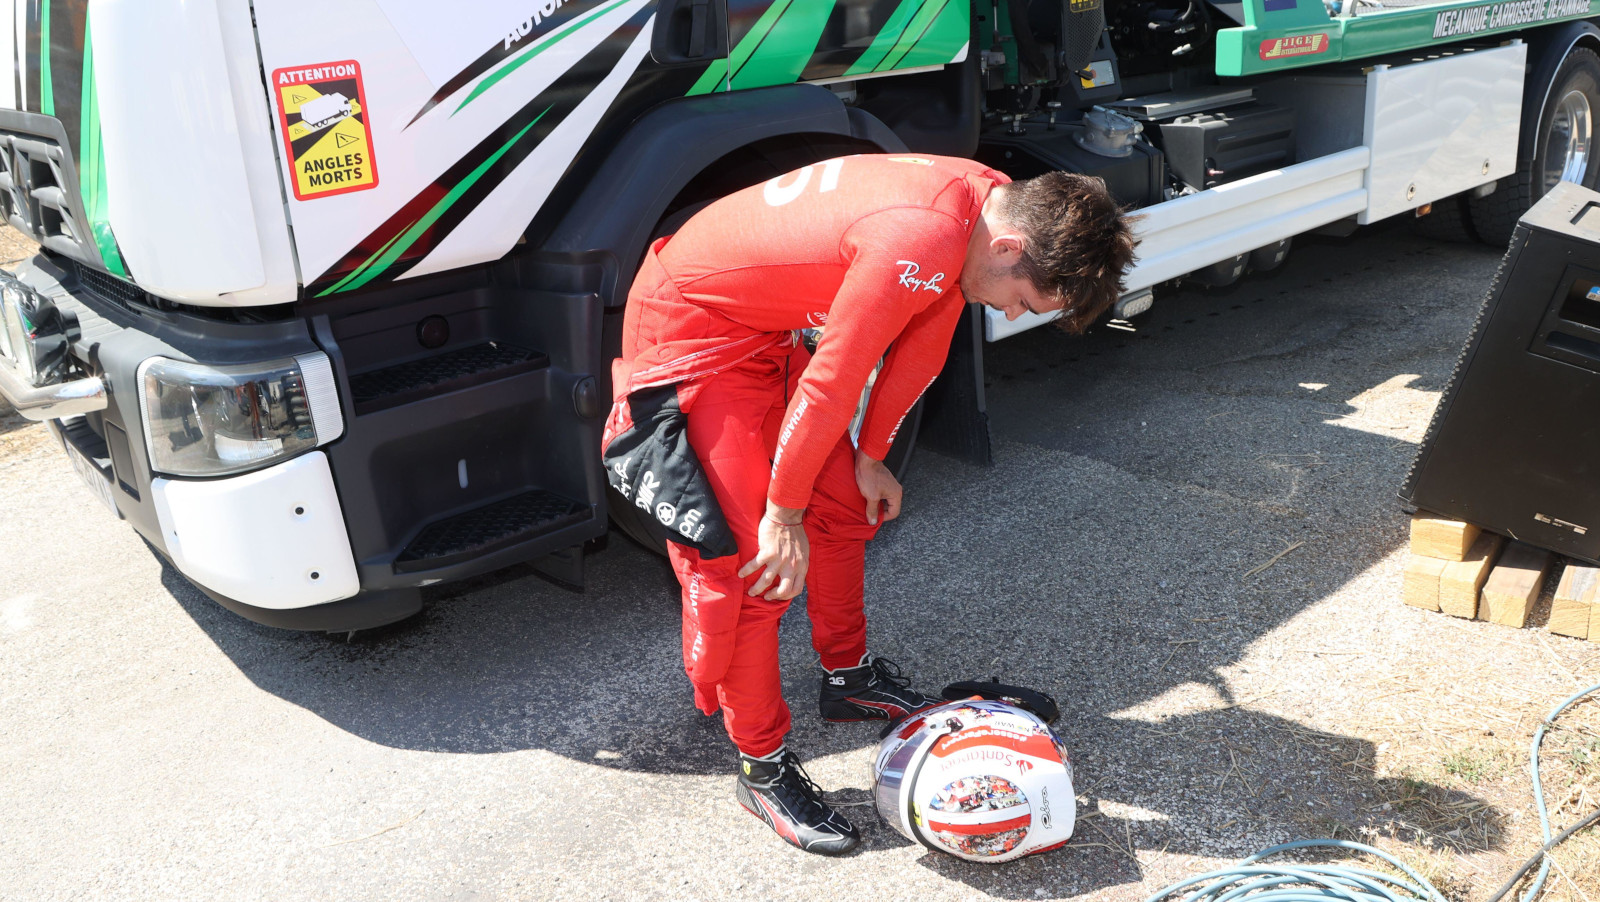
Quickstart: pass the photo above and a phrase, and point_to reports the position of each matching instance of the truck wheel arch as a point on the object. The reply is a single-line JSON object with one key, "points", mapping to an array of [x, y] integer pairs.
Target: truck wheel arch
{"points": [[1547, 50], [649, 182], [1551, 53], [667, 148]]}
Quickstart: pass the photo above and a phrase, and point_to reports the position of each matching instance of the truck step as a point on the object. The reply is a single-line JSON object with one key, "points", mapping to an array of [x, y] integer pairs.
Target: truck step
{"points": [[488, 528], [460, 368]]}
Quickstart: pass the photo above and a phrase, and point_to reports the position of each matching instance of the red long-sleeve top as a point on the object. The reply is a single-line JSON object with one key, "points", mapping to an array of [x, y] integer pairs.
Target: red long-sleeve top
{"points": [[869, 246]]}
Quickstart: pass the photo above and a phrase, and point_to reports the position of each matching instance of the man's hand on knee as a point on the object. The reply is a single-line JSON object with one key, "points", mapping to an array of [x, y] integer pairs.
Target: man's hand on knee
{"points": [[783, 556]]}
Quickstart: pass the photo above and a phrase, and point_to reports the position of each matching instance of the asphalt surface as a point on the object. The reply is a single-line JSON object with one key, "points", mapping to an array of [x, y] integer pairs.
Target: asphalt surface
{"points": [[518, 740]]}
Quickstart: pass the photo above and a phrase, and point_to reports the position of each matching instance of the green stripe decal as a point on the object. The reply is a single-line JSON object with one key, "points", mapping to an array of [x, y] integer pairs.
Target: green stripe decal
{"points": [[886, 38], [764, 26], [534, 50], [912, 36], [47, 94], [367, 263], [780, 53], [783, 40], [716, 77], [397, 246], [92, 165]]}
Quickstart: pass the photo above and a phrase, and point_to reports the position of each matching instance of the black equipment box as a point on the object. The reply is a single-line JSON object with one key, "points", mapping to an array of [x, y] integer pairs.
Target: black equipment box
{"points": [[1135, 179], [1514, 446], [1207, 149]]}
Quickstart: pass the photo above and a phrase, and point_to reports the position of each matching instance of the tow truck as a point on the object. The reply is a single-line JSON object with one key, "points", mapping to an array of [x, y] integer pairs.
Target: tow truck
{"points": [[322, 360]]}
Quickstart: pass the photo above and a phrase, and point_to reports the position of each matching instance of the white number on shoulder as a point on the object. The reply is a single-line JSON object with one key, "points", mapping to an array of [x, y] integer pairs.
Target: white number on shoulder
{"points": [[777, 193]]}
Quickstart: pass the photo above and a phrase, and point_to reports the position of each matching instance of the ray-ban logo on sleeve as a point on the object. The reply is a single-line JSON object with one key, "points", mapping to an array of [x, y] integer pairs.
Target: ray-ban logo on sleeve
{"points": [[908, 278]]}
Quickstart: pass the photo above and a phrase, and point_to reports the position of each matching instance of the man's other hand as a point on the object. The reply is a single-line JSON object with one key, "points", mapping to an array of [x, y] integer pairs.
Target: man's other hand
{"points": [[879, 487], [783, 556]]}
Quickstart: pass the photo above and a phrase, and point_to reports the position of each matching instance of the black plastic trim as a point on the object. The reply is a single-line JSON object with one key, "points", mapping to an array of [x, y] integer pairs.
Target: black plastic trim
{"points": [[50, 129], [365, 611], [674, 142]]}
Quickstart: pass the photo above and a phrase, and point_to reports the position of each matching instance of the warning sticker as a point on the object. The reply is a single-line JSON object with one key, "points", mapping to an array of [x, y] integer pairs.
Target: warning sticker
{"points": [[322, 111]]}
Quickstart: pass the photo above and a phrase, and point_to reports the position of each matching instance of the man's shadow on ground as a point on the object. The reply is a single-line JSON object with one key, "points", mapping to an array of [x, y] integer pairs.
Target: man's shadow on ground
{"points": [[510, 662]]}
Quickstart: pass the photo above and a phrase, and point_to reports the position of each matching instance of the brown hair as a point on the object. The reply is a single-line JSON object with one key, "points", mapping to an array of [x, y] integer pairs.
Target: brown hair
{"points": [[1078, 242]]}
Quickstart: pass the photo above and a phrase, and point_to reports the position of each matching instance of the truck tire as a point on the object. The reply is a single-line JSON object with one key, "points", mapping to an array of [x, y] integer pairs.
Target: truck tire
{"points": [[1566, 150]]}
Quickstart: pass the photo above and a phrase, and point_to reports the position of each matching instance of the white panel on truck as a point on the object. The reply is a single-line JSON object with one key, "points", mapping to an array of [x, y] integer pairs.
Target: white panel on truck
{"points": [[254, 116], [177, 186], [1440, 127], [494, 226], [1183, 235], [274, 538], [429, 152], [8, 41]]}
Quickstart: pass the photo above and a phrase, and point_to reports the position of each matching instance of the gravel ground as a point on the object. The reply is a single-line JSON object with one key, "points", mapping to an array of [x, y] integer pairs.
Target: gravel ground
{"points": [[518, 740]]}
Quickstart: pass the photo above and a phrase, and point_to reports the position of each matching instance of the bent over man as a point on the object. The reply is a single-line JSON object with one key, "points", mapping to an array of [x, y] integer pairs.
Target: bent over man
{"points": [[882, 252]]}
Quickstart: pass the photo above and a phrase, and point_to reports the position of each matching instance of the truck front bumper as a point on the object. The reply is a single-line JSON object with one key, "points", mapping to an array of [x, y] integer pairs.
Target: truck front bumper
{"points": [[454, 460], [270, 544], [49, 402]]}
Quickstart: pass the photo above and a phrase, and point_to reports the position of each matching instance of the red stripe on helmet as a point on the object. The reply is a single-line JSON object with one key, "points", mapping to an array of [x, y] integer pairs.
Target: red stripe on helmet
{"points": [[982, 829]]}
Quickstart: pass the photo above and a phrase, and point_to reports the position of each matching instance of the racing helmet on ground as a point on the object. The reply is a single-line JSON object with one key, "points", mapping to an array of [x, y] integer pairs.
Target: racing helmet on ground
{"points": [[980, 779]]}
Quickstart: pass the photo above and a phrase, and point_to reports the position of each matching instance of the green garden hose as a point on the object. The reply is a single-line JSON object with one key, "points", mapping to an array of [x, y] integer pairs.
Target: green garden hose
{"points": [[1298, 882]]}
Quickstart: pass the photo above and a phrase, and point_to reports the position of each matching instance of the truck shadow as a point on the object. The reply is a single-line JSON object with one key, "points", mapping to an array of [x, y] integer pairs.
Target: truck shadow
{"points": [[1140, 476]]}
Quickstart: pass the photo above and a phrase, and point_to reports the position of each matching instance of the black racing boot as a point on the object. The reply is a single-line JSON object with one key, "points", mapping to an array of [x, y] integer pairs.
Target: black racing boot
{"points": [[873, 690], [776, 790]]}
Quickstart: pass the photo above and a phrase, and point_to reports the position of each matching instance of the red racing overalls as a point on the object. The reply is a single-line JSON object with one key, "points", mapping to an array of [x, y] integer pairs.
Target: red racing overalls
{"points": [[870, 248]]}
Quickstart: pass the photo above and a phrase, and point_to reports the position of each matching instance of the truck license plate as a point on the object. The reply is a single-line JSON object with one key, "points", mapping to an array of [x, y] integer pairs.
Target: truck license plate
{"points": [[98, 485]]}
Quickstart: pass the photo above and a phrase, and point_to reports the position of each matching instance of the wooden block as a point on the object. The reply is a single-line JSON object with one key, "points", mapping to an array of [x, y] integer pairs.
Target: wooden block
{"points": [[1461, 581], [1575, 596], [1421, 586], [1449, 540], [1594, 620], [1513, 585]]}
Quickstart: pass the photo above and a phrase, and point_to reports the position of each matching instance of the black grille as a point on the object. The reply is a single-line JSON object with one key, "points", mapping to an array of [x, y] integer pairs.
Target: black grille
{"points": [[36, 197], [460, 368], [108, 287], [489, 528]]}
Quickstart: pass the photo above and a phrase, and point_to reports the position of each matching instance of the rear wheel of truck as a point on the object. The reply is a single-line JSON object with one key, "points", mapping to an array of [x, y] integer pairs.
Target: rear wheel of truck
{"points": [[1566, 150]]}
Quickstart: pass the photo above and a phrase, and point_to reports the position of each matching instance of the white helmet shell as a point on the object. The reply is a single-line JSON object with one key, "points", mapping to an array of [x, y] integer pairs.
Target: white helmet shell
{"points": [[982, 780]]}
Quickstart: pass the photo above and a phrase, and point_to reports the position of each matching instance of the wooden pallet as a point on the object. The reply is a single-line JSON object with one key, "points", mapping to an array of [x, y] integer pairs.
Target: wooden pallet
{"points": [[1458, 569]]}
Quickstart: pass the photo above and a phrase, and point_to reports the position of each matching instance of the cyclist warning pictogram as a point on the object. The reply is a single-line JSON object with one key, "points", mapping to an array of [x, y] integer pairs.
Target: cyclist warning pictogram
{"points": [[322, 111]]}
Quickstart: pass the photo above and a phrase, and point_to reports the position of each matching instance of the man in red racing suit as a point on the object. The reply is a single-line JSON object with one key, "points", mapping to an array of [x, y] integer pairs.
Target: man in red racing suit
{"points": [[881, 252]]}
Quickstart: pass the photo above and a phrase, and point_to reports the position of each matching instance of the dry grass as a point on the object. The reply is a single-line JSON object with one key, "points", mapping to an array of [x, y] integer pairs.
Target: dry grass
{"points": [[1446, 800]]}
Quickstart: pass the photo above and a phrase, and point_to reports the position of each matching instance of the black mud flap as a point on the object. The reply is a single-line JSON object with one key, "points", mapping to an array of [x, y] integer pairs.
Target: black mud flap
{"points": [[955, 418]]}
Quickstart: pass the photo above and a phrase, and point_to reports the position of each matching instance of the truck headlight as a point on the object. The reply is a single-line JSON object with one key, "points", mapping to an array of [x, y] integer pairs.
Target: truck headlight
{"points": [[202, 420], [34, 334], [12, 336]]}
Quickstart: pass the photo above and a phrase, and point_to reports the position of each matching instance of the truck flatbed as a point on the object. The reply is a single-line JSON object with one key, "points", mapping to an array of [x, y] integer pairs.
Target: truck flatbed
{"points": [[1288, 34]]}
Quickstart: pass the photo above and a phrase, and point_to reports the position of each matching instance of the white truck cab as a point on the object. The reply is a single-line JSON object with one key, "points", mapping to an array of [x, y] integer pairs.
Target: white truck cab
{"points": [[326, 313]]}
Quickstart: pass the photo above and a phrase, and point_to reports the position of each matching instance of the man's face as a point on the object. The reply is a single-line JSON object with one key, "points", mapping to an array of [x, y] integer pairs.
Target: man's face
{"points": [[990, 278]]}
